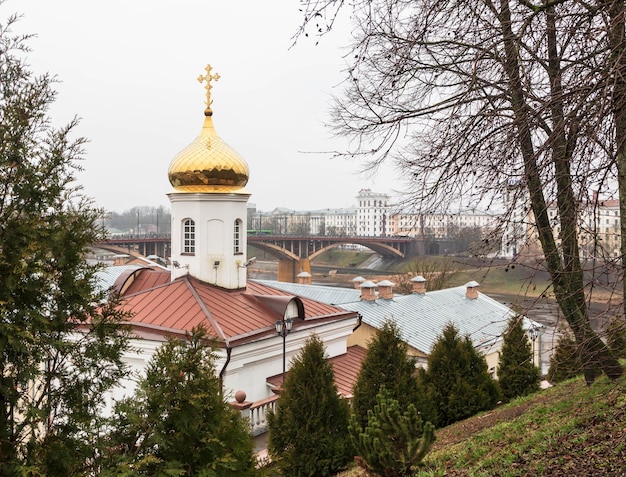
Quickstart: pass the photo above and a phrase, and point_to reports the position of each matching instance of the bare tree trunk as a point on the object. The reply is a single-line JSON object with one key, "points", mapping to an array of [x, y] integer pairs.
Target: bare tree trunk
{"points": [[618, 68], [565, 271]]}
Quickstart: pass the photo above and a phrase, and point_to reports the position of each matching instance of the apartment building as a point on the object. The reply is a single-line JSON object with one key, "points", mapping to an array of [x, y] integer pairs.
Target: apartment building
{"points": [[598, 226], [438, 226], [372, 214]]}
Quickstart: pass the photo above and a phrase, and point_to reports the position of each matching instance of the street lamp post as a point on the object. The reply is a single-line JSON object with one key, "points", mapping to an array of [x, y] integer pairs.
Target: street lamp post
{"points": [[535, 334], [283, 327]]}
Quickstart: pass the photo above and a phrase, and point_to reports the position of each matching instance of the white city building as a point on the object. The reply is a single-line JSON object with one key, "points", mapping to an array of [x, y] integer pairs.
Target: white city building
{"points": [[372, 213]]}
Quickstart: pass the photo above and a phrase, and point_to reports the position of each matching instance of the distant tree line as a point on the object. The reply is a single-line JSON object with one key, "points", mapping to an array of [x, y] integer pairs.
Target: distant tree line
{"points": [[139, 220]]}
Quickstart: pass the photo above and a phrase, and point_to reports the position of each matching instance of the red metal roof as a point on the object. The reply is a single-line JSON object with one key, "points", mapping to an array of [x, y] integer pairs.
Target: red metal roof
{"points": [[165, 306], [144, 279], [346, 368]]}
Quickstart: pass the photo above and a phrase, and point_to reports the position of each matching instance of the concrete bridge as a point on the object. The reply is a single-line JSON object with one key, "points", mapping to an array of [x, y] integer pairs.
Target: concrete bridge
{"points": [[145, 245], [294, 252]]}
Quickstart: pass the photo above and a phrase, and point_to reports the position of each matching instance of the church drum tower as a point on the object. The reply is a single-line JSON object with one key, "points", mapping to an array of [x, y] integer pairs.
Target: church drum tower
{"points": [[209, 206]]}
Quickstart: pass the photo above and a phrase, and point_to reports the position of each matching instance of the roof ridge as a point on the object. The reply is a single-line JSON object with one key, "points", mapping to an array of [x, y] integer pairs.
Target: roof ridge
{"points": [[214, 323]]}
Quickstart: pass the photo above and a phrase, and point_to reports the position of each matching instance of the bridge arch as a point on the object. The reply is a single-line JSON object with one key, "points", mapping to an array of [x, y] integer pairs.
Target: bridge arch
{"points": [[119, 250], [295, 253], [381, 249], [312, 246], [275, 251]]}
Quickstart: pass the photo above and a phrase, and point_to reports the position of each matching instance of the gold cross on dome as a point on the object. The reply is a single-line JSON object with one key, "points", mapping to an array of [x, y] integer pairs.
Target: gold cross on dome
{"points": [[208, 77]]}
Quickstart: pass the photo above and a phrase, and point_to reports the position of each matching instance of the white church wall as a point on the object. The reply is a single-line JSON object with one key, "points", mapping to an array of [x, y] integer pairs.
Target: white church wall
{"points": [[251, 364], [214, 260]]}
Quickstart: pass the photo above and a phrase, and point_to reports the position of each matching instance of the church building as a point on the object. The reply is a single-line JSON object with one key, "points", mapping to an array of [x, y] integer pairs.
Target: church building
{"points": [[206, 284]]}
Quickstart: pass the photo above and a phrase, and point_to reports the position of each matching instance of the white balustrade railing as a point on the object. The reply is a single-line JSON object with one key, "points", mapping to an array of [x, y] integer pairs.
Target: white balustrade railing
{"points": [[257, 414]]}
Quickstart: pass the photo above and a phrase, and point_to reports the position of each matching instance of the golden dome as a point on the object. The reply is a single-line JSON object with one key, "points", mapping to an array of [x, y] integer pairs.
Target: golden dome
{"points": [[208, 164]]}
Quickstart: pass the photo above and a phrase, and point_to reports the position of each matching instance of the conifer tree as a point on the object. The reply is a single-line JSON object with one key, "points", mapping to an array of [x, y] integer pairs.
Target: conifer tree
{"points": [[517, 374], [616, 336], [394, 442], [565, 360], [61, 342], [178, 422], [457, 380], [387, 365], [308, 432]]}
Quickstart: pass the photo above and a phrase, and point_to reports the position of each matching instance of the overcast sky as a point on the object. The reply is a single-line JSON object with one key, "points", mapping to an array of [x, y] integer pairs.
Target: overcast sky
{"points": [[129, 70]]}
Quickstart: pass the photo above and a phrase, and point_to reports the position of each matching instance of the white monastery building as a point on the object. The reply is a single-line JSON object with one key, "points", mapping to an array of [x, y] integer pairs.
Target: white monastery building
{"points": [[207, 284]]}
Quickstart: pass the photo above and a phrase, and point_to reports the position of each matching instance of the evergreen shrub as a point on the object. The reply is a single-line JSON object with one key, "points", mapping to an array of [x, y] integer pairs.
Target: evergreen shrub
{"points": [[387, 365], [517, 373], [565, 360], [394, 441], [308, 431], [457, 379]]}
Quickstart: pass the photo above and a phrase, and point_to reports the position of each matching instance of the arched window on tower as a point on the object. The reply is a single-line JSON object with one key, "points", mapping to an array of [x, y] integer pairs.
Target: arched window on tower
{"points": [[189, 236], [237, 236]]}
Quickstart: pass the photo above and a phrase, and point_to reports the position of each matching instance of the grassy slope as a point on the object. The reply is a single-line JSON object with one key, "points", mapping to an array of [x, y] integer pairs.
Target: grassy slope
{"points": [[567, 430]]}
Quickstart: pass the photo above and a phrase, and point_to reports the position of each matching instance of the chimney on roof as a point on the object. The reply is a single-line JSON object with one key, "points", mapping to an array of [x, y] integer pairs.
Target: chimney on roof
{"points": [[385, 289], [368, 291], [419, 285], [304, 278], [471, 290], [357, 282]]}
